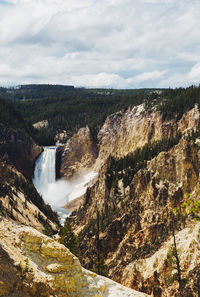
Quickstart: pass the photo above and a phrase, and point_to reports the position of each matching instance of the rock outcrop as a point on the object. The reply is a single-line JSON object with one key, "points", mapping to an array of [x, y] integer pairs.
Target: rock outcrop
{"points": [[156, 272], [78, 154], [122, 133], [41, 124], [135, 222], [43, 267], [19, 149], [20, 202]]}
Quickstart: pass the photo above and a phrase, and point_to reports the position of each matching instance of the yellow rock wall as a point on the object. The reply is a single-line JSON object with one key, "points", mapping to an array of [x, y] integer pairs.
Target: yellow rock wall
{"points": [[49, 269]]}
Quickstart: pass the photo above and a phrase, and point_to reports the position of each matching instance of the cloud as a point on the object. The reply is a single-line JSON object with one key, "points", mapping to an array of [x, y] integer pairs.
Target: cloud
{"points": [[103, 43], [191, 77], [194, 74], [149, 76]]}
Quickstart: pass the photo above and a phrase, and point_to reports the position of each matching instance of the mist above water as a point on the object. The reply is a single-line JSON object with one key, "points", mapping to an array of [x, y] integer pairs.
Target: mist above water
{"points": [[57, 193]]}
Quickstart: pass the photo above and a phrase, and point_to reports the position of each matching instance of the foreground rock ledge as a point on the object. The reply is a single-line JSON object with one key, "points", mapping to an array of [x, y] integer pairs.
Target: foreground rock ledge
{"points": [[48, 268]]}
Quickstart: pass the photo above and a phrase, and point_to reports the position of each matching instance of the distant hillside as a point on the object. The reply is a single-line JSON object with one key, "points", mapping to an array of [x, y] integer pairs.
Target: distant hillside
{"points": [[66, 108], [32, 91], [38, 91], [11, 117]]}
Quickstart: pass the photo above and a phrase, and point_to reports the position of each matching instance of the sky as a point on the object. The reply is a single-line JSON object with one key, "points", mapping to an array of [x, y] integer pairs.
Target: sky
{"points": [[100, 43]]}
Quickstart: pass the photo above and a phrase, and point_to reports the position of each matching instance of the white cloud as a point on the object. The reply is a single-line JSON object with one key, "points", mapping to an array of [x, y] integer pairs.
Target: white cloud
{"points": [[194, 74], [108, 80], [149, 76], [115, 43]]}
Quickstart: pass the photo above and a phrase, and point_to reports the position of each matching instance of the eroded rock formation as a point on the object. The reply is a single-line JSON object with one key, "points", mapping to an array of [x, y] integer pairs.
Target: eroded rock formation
{"points": [[121, 134], [135, 222], [43, 267], [78, 154], [136, 225], [20, 202]]}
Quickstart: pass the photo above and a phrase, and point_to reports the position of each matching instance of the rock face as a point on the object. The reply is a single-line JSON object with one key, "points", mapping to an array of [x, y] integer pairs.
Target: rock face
{"points": [[135, 227], [20, 202], [188, 246], [135, 223], [78, 154], [44, 267], [121, 134], [41, 124], [19, 149]]}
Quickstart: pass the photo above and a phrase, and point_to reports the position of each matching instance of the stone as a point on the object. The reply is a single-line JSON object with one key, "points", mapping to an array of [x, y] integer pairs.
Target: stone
{"points": [[52, 270]]}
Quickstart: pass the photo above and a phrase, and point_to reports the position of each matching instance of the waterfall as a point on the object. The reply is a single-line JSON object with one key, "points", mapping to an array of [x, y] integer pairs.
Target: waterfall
{"points": [[45, 172], [57, 193], [53, 192]]}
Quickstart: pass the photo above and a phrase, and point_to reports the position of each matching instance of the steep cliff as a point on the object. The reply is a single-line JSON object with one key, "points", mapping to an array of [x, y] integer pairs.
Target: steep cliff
{"points": [[19, 149], [123, 132], [120, 135], [78, 155], [130, 223], [40, 266], [20, 202], [136, 221]]}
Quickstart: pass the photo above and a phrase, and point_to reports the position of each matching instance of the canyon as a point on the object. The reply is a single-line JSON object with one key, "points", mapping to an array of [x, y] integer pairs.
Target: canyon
{"points": [[127, 225], [31, 263], [135, 224]]}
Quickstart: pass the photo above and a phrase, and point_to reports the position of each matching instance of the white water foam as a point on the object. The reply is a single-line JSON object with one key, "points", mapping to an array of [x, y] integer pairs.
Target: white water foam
{"points": [[57, 193], [79, 186]]}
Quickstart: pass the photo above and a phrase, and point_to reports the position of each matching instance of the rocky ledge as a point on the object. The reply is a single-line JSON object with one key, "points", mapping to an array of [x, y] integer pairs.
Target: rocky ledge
{"points": [[40, 266], [78, 155]]}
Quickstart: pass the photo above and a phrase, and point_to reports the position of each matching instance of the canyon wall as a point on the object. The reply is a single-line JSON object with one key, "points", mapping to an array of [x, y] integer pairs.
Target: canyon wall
{"points": [[19, 149], [135, 222], [20, 202], [78, 155], [121, 134]]}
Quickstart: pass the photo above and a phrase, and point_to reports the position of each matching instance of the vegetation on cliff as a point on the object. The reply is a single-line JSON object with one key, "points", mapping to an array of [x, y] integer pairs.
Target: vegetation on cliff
{"points": [[68, 108], [11, 117], [173, 103], [68, 238], [11, 183], [125, 168]]}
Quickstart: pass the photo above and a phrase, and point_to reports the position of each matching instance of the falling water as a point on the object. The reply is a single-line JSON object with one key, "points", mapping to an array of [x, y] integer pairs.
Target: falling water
{"points": [[54, 192], [45, 169], [57, 193]]}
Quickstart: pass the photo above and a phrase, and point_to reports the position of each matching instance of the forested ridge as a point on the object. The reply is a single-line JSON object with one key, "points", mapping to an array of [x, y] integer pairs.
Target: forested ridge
{"points": [[38, 91], [67, 108], [173, 103], [10, 116]]}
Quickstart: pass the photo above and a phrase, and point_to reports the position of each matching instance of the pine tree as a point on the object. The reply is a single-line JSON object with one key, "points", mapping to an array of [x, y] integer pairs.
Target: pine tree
{"points": [[69, 239]]}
